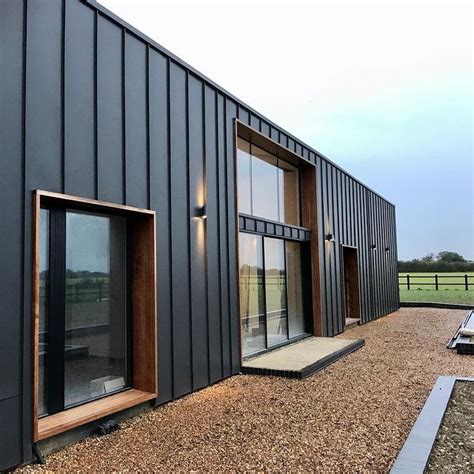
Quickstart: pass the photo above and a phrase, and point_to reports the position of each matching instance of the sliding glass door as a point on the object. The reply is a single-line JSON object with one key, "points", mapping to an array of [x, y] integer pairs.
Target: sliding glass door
{"points": [[84, 322], [271, 292]]}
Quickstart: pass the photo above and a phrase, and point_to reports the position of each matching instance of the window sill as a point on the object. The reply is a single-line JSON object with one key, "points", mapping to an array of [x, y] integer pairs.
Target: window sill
{"points": [[74, 417]]}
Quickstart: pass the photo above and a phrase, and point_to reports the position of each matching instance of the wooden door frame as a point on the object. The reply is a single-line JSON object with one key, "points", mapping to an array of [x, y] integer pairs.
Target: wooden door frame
{"points": [[356, 282]]}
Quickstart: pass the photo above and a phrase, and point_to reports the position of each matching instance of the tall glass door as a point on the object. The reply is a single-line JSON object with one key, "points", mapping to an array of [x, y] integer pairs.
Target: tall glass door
{"points": [[271, 292], [275, 291]]}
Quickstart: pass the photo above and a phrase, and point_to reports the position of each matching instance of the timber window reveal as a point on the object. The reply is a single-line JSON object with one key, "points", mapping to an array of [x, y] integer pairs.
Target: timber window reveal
{"points": [[94, 282]]}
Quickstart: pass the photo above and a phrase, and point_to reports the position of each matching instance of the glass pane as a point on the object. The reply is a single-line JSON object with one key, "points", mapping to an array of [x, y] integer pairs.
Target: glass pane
{"points": [[264, 184], [294, 289], [289, 193], [43, 310], [243, 176], [275, 291], [96, 307], [252, 303]]}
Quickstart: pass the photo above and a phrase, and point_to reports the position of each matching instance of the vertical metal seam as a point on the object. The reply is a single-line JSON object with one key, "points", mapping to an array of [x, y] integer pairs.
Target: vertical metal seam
{"points": [[124, 124], [218, 193], [188, 229], [23, 217], [63, 96], [170, 227], [96, 108], [147, 118]]}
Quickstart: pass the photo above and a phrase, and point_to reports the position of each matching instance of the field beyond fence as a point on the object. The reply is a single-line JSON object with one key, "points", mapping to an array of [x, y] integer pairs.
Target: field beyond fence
{"points": [[437, 287]]}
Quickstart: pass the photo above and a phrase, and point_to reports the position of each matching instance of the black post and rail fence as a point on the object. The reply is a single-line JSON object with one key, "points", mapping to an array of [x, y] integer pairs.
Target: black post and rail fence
{"points": [[435, 281]]}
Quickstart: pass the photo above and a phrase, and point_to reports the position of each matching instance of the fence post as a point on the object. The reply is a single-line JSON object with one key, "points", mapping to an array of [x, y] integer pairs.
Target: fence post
{"points": [[436, 282], [466, 282], [408, 282]]}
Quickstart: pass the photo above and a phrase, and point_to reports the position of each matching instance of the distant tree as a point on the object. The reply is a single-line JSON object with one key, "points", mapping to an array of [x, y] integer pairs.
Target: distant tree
{"points": [[428, 258], [447, 256], [443, 262]]}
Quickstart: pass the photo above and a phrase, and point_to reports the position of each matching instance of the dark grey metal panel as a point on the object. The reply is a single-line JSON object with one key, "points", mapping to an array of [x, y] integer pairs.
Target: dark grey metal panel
{"points": [[199, 312], [10, 433], [244, 115], [223, 235], [159, 201], [109, 112], [136, 158], [212, 237], [182, 369], [44, 167], [79, 101], [11, 190]]}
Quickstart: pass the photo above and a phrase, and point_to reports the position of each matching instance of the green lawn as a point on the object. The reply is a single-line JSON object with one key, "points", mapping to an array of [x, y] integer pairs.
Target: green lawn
{"points": [[445, 294]]}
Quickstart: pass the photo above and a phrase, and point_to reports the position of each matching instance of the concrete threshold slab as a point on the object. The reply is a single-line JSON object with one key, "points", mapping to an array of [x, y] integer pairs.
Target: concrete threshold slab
{"points": [[301, 359]]}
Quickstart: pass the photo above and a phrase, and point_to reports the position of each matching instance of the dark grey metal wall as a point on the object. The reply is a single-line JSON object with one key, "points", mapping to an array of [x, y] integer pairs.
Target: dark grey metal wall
{"points": [[91, 107]]}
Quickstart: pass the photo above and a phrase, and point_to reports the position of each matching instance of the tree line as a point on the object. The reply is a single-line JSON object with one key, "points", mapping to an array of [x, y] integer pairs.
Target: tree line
{"points": [[445, 261]]}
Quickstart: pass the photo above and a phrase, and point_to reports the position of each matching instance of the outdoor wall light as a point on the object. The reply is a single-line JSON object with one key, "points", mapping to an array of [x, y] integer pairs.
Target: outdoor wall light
{"points": [[373, 246], [201, 212], [330, 237], [387, 249]]}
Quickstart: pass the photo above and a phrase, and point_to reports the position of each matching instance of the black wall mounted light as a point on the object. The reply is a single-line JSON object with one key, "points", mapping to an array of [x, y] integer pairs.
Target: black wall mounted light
{"points": [[330, 237], [373, 246], [201, 212]]}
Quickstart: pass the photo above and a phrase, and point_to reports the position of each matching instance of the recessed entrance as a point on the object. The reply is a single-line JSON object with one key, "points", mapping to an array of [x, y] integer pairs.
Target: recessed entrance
{"points": [[351, 285]]}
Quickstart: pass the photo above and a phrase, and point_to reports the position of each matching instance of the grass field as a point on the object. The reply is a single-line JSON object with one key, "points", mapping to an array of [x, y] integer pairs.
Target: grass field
{"points": [[445, 294]]}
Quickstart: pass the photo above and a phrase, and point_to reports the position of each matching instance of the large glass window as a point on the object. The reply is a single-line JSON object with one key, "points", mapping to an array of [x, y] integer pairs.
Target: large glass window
{"points": [[43, 311], [271, 291], [268, 186], [275, 291], [244, 172], [264, 184], [88, 323], [252, 304], [294, 280]]}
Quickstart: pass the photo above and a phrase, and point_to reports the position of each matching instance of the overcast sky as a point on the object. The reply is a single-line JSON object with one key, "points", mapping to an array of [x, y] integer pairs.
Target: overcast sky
{"points": [[382, 89]]}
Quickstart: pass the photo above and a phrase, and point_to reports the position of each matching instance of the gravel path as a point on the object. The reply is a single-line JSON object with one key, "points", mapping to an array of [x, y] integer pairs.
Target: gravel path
{"points": [[354, 415]]}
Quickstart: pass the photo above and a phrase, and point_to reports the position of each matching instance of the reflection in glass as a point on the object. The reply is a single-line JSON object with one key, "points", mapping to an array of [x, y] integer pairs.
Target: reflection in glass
{"points": [[243, 176], [289, 193], [252, 304], [95, 307], [294, 289], [264, 184], [275, 291], [268, 186], [43, 310]]}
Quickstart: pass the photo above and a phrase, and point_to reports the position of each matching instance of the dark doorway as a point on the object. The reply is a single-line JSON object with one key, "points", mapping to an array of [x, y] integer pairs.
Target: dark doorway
{"points": [[351, 286]]}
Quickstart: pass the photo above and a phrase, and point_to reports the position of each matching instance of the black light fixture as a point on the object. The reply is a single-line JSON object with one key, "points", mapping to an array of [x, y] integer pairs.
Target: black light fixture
{"points": [[201, 212], [387, 249], [330, 237], [373, 246]]}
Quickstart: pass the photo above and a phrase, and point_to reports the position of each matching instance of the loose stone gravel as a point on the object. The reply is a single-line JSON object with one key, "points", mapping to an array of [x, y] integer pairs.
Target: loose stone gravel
{"points": [[354, 415], [454, 447]]}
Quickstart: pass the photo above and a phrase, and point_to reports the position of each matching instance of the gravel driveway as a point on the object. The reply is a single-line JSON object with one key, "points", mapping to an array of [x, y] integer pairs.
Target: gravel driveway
{"points": [[354, 415]]}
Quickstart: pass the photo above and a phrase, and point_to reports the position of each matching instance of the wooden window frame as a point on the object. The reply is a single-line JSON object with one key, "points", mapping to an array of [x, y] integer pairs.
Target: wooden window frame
{"points": [[144, 311]]}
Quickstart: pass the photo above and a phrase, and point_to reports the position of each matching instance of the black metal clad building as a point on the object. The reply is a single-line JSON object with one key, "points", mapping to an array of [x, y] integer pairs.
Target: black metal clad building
{"points": [[90, 107]]}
